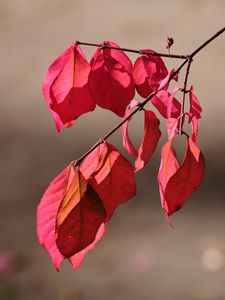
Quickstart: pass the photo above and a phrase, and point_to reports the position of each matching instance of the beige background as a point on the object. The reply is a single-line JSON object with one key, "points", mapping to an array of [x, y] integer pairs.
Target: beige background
{"points": [[141, 257]]}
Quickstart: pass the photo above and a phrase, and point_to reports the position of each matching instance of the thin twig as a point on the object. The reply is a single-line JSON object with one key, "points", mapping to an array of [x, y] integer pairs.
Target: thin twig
{"points": [[188, 60], [184, 90], [132, 50]]}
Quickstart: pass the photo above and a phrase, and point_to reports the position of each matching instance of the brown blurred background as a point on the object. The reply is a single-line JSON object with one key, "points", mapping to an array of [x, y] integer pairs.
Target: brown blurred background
{"points": [[141, 257]]}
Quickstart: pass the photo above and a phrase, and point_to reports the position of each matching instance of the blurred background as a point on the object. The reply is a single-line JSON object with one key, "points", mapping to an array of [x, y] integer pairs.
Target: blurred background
{"points": [[141, 257]]}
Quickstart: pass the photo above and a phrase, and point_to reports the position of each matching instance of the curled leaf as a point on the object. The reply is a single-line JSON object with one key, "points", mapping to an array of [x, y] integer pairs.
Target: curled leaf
{"points": [[110, 79], [149, 142]]}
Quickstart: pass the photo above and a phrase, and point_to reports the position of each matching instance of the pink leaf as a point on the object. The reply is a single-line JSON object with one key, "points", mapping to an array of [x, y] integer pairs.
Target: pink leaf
{"points": [[110, 79], [65, 87]]}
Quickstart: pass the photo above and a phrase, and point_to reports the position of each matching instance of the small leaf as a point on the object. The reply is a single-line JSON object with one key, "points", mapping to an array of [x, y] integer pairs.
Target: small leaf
{"points": [[65, 87], [110, 79]]}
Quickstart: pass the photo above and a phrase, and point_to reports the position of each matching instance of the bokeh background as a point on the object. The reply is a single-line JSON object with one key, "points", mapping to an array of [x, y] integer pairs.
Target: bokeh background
{"points": [[141, 257]]}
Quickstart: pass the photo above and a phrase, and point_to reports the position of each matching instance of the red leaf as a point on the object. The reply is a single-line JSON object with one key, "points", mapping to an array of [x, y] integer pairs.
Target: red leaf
{"points": [[77, 259], [114, 182], [148, 72], [194, 114], [177, 183], [195, 107], [149, 141], [47, 212], [65, 87], [79, 217], [127, 144], [110, 79], [161, 102], [168, 167]]}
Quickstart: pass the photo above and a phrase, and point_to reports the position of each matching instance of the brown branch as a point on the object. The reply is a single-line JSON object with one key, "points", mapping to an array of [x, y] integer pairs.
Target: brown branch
{"points": [[132, 50], [188, 60]]}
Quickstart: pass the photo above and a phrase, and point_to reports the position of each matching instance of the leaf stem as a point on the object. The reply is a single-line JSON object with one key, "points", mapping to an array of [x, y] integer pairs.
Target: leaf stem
{"points": [[188, 61]]}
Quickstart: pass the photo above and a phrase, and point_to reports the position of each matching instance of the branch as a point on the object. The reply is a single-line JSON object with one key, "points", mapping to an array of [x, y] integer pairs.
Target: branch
{"points": [[188, 60], [104, 46]]}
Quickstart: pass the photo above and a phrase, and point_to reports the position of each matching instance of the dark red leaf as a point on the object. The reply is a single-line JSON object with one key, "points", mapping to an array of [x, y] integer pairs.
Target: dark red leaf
{"points": [[80, 223], [110, 79]]}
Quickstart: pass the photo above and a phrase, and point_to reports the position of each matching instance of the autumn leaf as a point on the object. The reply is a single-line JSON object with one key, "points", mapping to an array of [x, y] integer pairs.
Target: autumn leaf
{"points": [[114, 182], [161, 102], [148, 72], [66, 89], [77, 204], [110, 79], [149, 142], [47, 211], [56, 205], [79, 217], [194, 113], [178, 182]]}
